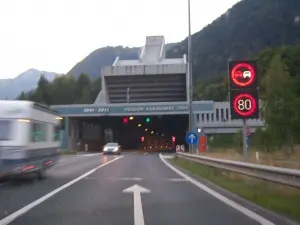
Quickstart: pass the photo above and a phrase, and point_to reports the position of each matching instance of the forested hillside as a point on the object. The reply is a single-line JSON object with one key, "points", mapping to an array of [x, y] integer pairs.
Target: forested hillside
{"points": [[242, 32]]}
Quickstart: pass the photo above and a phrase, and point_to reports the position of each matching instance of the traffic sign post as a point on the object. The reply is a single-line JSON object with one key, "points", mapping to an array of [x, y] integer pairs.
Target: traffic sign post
{"points": [[243, 92], [192, 138], [245, 147]]}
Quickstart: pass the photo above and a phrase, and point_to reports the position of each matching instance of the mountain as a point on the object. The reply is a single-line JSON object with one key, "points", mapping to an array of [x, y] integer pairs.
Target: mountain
{"points": [[246, 29], [240, 33], [26, 81], [92, 64]]}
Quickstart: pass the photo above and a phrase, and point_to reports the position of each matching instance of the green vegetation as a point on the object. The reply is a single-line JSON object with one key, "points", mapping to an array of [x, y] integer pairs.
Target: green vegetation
{"points": [[278, 198], [246, 29], [64, 90]]}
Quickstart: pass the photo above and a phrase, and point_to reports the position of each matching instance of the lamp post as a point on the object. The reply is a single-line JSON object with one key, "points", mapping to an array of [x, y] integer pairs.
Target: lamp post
{"points": [[190, 75]]}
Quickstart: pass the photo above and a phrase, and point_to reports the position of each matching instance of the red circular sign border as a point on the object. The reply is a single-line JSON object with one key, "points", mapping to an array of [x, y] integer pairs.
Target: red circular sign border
{"points": [[249, 67], [253, 102]]}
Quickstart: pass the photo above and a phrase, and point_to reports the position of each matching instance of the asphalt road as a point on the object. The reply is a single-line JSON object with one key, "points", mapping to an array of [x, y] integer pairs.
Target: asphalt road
{"points": [[89, 190]]}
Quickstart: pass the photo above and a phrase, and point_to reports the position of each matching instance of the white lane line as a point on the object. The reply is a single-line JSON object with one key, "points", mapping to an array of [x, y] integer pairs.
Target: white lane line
{"points": [[222, 198], [169, 156], [177, 179], [28, 207]]}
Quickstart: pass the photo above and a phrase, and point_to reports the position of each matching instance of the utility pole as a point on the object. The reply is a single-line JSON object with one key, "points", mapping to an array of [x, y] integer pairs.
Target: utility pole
{"points": [[190, 75]]}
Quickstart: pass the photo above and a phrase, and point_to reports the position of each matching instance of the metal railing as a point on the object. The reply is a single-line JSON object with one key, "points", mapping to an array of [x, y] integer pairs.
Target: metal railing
{"points": [[290, 177]]}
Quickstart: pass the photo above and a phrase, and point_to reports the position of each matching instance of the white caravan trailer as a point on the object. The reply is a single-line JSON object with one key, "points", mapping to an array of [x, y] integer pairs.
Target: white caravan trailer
{"points": [[29, 138]]}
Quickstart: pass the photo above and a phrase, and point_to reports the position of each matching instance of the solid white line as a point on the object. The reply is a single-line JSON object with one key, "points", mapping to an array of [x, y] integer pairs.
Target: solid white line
{"points": [[177, 179], [28, 207], [222, 198]]}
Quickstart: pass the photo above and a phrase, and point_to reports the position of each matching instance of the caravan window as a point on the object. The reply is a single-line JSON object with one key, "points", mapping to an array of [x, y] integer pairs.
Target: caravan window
{"points": [[56, 134], [5, 130], [38, 132]]}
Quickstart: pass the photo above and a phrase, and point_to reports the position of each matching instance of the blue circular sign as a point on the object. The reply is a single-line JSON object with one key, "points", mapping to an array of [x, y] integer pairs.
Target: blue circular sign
{"points": [[191, 138]]}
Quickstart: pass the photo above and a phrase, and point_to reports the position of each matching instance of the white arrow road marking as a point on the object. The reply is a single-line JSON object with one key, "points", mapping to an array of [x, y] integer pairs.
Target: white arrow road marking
{"points": [[129, 178], [137, 202]]}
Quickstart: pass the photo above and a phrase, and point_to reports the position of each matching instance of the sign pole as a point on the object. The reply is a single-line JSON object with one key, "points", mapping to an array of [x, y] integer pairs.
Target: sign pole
{"points": [[245, 147], [191, 147]]}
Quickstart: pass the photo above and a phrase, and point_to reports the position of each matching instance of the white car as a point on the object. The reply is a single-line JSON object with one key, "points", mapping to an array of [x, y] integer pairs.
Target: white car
{"points": [[247, 74], [112, 148]]}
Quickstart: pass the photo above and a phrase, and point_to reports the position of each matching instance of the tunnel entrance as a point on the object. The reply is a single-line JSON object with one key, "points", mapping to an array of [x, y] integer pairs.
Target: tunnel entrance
{"points": [[137, 132], [153, 132]]}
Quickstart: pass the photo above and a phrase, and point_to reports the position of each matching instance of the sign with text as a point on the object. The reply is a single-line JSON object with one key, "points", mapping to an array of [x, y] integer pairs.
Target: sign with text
{"points": [[136, 109]]}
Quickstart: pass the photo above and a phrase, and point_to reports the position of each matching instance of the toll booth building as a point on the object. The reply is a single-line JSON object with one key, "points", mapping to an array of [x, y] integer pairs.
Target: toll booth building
{"points": [[142, 102]]}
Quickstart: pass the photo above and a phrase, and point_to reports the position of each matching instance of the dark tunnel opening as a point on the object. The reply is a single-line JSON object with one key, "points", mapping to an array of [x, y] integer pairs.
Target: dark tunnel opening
{"points": [[141, 132]]}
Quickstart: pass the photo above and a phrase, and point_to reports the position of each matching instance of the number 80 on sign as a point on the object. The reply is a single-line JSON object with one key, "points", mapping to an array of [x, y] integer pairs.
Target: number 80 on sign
{"points": [[244, 105]]}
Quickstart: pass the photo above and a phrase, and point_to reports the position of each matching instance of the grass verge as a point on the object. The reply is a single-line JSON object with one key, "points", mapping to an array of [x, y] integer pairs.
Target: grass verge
{"points": [[68, 152], [278, 198], [278, 158]]}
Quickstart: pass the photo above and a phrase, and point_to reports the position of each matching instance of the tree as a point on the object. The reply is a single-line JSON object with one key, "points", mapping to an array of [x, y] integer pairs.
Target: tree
{"points": [[82, 82], [43, 92], [63, 90], [280, 104]]}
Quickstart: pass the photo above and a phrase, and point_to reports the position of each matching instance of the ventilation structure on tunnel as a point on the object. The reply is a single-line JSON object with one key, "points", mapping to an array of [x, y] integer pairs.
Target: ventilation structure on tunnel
{"points": [[146, 88]]}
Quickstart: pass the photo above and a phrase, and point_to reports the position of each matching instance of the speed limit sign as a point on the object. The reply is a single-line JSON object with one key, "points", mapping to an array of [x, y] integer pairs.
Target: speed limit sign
{"points": [[177, 148]]}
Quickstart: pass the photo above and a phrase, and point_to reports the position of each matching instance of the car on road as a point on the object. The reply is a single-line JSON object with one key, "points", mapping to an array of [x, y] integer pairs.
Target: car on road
{"points": [[112, 148]]}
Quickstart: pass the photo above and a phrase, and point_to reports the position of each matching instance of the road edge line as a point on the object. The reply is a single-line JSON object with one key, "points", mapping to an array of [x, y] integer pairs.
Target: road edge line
{"points": [[227, 201], [10, 218]]}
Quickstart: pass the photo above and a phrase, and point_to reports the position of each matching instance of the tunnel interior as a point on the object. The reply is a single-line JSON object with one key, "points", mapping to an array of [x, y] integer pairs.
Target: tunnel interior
{"points": [[141, 132]]}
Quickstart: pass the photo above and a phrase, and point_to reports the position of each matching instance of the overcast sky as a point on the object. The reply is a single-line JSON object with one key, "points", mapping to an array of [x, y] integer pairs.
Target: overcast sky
{"points": [[53, 35]]}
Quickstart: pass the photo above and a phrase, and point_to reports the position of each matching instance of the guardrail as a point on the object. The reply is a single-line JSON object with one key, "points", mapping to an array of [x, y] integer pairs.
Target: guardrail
{"points": [[290, 177]]}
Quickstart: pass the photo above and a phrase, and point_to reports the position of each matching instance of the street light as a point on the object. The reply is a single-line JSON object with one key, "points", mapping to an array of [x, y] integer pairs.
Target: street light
{"points": [[190, 75]]}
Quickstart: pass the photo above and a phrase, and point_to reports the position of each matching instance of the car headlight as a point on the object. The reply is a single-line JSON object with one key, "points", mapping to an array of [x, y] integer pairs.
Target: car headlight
{"points": [[116, 149], [105, 149]]}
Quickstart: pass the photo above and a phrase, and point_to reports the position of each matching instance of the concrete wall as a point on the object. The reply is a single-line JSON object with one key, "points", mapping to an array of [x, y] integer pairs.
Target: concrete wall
{"points": [[220, 122], [84, 133], [153, 69]]}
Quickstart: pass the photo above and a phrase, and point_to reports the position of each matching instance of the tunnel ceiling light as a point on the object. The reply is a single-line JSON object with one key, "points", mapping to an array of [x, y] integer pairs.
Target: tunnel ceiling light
{"points": [[131, 118], [146, 129], [139, 125], [152, 132], [162, 135]]}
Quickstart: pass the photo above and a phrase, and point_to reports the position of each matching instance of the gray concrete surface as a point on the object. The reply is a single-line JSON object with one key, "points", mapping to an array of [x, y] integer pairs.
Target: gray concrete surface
{"points": [[98, 197]]}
